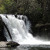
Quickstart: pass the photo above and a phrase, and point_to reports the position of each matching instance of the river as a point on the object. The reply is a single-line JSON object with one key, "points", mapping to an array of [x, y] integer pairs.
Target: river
{"points": [[29, 47]]}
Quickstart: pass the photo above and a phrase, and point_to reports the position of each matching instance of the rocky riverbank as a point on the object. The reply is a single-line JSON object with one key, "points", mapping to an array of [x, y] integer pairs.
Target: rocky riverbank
{"points": [[5, 44]]}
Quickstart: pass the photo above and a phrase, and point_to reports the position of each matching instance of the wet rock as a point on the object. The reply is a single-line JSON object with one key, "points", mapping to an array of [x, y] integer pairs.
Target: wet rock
{"points": [[12, 44], [2, 37]]}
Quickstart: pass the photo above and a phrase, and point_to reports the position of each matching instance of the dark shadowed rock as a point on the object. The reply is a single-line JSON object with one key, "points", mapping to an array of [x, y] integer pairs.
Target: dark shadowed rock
{"points": [[2, 37], [12, 44]]}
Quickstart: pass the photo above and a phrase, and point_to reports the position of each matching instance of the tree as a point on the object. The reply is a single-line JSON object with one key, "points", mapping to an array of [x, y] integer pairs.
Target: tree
{"points": [[10, 6]]}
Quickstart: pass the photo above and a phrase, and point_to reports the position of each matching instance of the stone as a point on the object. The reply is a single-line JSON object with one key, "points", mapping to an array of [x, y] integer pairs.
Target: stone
{"points": [[2, 37], [12, 44]]}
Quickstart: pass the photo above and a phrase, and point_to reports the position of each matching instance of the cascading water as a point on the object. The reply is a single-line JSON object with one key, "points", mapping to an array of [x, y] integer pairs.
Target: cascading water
{"points": [[19, 29]]}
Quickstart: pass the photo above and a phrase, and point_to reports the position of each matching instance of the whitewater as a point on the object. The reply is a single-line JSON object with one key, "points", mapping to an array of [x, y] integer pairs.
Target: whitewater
{"points": [[19, 29]]}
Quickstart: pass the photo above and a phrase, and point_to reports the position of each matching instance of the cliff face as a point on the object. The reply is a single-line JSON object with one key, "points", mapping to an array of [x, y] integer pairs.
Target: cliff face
{"points": [[2, 37]]}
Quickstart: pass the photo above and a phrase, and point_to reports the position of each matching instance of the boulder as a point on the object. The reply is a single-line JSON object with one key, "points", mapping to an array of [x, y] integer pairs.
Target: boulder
{"points": [[12, 44]]}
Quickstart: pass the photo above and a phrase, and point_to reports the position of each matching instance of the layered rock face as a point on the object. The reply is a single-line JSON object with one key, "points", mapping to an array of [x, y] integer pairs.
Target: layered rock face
{"points": [[2, 37]]}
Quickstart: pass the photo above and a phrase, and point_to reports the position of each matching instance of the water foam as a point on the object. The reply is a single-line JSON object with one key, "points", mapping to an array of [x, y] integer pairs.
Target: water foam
{"points": [[19, 30]]}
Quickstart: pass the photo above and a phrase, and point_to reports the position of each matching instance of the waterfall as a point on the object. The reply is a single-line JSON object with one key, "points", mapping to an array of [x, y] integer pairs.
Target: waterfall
{"points": [[19, 29]]}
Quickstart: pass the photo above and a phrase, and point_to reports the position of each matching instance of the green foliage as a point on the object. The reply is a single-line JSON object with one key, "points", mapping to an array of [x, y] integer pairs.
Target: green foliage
{"points": [[10, 6], [37, 10], [2, 9], [20, 10]]}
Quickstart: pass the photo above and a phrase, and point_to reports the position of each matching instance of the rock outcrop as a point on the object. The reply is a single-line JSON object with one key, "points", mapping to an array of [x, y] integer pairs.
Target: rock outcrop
{"points": [[2, 37]]}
